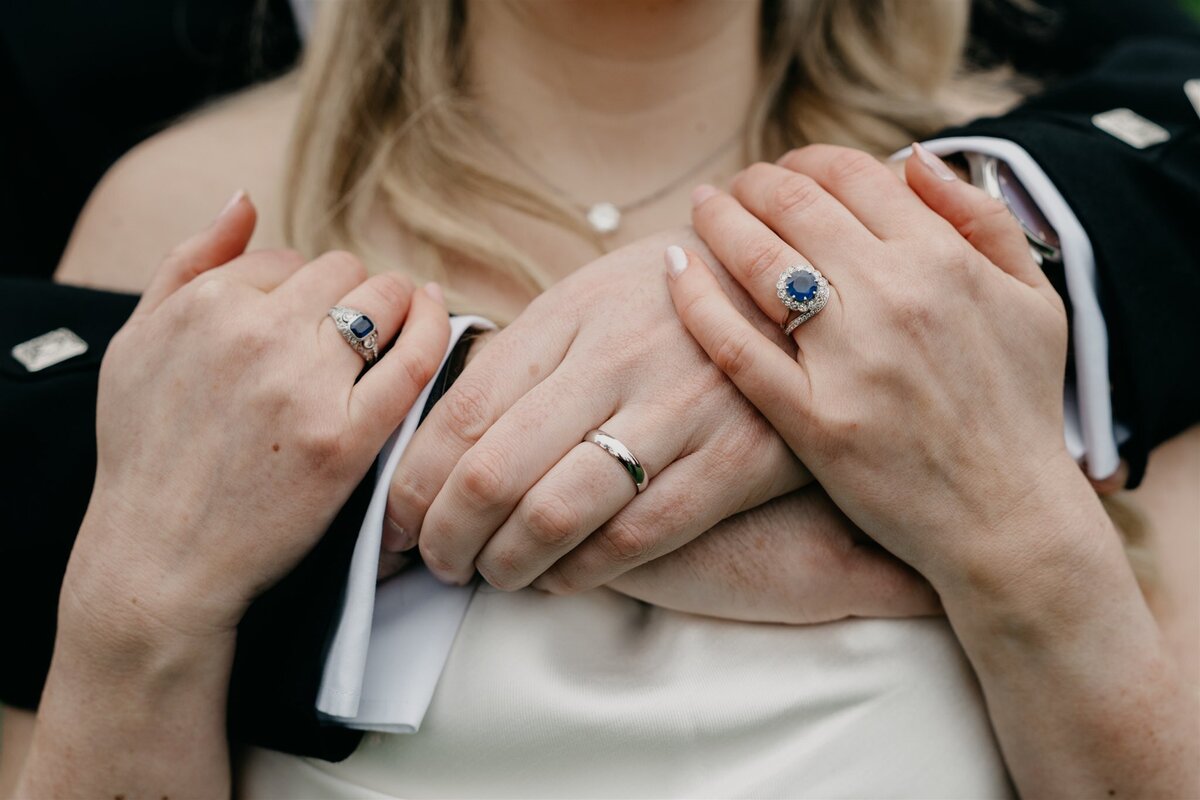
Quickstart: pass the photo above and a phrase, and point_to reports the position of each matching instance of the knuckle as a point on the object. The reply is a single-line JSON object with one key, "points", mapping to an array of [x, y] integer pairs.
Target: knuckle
{"points": [[392, 291], [623, 543], [482, 480], [794, 195], [764, 260], [419, 367], [405, 495], [347, 262], [552, 522], [432, 555], [847, 165], [466, 406], [501, 571], [732, 353]]}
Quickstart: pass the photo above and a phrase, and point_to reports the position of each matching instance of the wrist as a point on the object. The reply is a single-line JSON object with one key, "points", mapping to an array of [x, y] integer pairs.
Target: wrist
{"points": [[1040, 568], [121, 604]]}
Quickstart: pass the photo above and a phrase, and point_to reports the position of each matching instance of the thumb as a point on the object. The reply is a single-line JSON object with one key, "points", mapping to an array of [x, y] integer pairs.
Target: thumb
{"points": [[222, 241], [983, 221]]}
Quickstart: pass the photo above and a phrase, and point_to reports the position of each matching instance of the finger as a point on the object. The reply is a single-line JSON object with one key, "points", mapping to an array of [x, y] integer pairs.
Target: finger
{"points": [[580, 493], [490, 479], [223, 240], [866, 187], [265, 270], [392, 564], [804, 215], [516, 360], [385, 394], [752, 253], [322, 282], [383, 300], [769, 378], [983, 221], [670, 514]]}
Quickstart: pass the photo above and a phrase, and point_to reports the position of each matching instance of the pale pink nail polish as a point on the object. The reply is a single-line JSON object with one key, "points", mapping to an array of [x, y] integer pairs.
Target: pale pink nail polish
{"points": [[238, 196], [702, 193], [677, 260], [435, 291], [934, 164], [395, 538]]}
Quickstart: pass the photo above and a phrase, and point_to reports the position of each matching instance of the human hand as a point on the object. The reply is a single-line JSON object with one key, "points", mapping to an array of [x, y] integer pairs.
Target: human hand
{"points": [[794, 560], [231, 429], [498, 478], [926, 397]]}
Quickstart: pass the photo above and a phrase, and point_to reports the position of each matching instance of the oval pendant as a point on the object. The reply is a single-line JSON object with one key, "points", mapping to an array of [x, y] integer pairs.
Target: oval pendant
{"points": [[604, 217]]}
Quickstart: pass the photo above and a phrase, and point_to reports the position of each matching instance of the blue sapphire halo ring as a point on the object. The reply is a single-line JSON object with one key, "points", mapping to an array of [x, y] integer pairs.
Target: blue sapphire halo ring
{"points": [[358, 330], [805, 291], [610, 445]]}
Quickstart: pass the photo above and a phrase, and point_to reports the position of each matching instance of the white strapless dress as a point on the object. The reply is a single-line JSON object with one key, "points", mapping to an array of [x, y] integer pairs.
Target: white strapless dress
{"points": [[599, 695]]}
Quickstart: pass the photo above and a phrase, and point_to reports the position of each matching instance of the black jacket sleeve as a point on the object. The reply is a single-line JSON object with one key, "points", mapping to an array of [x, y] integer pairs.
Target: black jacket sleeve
{"points": [[1140, 208]]}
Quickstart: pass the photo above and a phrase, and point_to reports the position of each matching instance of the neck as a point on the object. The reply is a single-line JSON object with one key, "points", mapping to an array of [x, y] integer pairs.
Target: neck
{"points": [[612, 96]]}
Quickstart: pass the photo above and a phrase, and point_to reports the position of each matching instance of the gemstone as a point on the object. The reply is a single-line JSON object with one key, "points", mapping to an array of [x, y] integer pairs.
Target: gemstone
{"points": [[802, 286], [604, 217], [361, 327]]}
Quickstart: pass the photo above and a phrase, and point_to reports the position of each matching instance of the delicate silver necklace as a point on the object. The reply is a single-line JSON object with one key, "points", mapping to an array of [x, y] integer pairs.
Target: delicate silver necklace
{"points": [[604, 217]]}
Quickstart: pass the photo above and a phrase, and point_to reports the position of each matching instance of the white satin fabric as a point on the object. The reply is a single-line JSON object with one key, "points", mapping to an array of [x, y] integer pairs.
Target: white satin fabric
{"points": [[602, 696]]}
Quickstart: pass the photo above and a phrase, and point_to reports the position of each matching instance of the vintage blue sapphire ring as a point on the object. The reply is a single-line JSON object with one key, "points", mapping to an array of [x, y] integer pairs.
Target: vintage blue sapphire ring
{"points": [[358, 330], [805, 291]]}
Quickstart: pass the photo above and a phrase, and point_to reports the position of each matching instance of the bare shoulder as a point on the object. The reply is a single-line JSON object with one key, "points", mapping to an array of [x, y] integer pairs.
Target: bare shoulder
{"points": [[174, 183]]}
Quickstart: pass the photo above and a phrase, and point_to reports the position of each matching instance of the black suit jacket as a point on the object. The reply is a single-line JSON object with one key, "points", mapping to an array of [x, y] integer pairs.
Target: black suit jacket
{"points": [[1139, 207]]}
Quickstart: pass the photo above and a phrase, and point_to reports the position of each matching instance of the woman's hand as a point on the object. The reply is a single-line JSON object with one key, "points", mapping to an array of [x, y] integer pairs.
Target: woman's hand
{"points": [[927, 395], [231, 428], [795, 560], [498, 477], [926, 398]]}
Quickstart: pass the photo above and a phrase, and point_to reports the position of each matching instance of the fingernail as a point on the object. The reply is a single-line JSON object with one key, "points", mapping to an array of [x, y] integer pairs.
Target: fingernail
{"points": [[934, 164], [435, 291], [677, 260], [238, 196], [702, 193], [396, 538]]}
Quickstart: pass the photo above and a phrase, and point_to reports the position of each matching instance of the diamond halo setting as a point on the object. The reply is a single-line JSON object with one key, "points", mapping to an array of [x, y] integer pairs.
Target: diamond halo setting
{"points": [[803, 289]]}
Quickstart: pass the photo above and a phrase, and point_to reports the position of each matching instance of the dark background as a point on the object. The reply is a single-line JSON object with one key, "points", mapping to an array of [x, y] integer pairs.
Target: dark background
{"points": [[82, 81]]}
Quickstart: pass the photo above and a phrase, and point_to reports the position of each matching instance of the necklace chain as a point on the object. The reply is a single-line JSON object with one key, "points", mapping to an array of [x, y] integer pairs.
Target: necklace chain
{"points": [[605, 217]]}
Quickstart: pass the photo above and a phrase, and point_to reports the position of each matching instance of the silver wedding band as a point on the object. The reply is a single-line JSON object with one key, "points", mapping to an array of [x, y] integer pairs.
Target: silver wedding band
{"points": [[612, 446], [358, 330]]}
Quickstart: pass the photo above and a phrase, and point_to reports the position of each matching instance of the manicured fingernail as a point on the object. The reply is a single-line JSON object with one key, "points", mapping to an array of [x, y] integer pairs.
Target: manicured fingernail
{"points": [[702, 193], [395, 538], [677, 260], [435, 291], [238, 196], [934, 164]]}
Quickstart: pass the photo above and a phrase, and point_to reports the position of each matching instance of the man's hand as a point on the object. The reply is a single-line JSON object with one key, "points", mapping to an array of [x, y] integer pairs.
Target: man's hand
{"points": [[498, 477], [795, 560]]}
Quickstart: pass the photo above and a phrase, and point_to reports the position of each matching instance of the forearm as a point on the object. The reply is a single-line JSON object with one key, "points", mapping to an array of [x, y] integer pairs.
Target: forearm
{"points": [[1082, 693], [130, 707]]}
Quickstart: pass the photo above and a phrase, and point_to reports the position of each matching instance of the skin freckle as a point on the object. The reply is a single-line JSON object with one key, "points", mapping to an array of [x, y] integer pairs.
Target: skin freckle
{"points": [[534, 369], [275, 447]]}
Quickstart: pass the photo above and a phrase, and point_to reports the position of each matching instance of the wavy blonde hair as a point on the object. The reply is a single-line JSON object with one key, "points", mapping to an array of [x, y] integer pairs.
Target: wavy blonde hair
{"points": [[386, 123]]}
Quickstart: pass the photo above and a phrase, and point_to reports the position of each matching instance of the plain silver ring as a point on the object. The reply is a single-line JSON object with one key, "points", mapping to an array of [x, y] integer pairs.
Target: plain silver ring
{"points": [[613, 446], [358, 330]]}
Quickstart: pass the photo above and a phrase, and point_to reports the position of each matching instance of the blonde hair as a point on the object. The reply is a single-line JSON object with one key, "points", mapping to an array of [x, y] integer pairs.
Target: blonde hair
{"points": [[386, 124]]}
